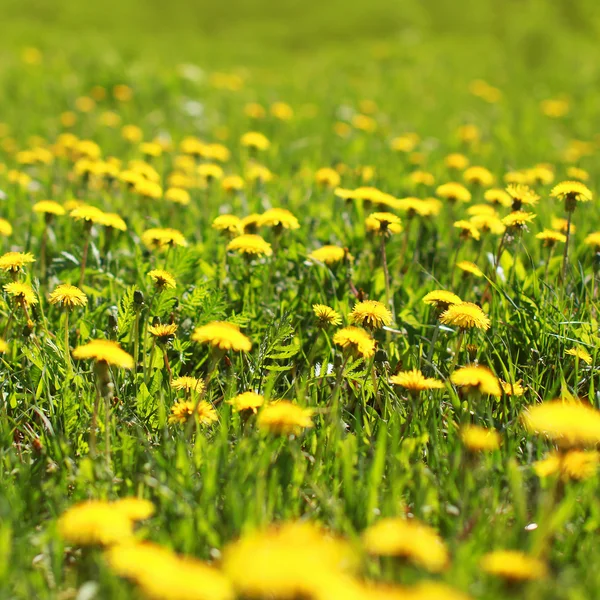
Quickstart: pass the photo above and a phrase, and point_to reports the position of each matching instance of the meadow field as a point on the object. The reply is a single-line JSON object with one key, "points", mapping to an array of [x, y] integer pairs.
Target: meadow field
{"points": [[299, 300]]}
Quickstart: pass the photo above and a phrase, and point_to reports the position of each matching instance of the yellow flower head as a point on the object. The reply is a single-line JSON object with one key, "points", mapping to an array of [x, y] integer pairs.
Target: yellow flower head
{"points": [[512, 389], [441, 299], [578, 174], [163, 332], [478, 176], [161, 238], [498, 196], [255, 141], [232, 183], [89, 214], [469, 267], [162, 279], [551, 237], [479, 439], [567, 423], [250, 401], [329, 254], [178, 195], [5, 228], [572, 465], [489, 223], [15, 261], [228, 223], [467, 229], [284, 418], [453, 192], [355, 339], [581, 354], [383, 223], [477, 378], [327, 177], [326, 314], [279, 218], [136, 509], [48, 207], [513, 565], [456, 161], [518, 219], [593, 239], [105, 351], [112, 220], [521, 195], [68, 295], [465, 315], [409, 539], [189, 384], [414, 206], [210, 171], [222, 335], [258, 173], [183, 410], [571, 191], [22, 292], [415, 381], [372, 314], [251, 244], [148, 189]]}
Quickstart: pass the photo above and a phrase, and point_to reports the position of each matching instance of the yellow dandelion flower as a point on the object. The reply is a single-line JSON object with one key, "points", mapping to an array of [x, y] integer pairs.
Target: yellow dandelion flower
{"points": [[498, 196], [551, 237], [489, 223], [279, 218], [228, 223], [465, 315], [326, 314], [250, 223], [572, 465], [113, 220], [522, 195], [518, 219], [247, 401], [327, 177], [468, 229], [14, 262], [383, 223], [414, 206], [148, 189], [478, 176], [210, 171], [232, 183], [163, 280], [178, 195], [89, 214], [183, 410], [161, 238], [578, 174], [513, 566], [409, 539], [469, 267], [560, 224], [569, 423], [222, 335], [329, 254], [104, 351], [479, 439], [48, 207], [258, 173], [482, 209], [3, 346], [255, 141], [422, 178], [163, 332], [68, 295], [355, 339], [512, 389], [136, 509], [571, 192], [250, 244], [581, 354], [371, 313], [189, 384], [456, 161], [283, 418], [593, 239], [5, 228], [477, 378], [405, 143], [21, 292], [453, 192], [441, 299], [415, 381]]}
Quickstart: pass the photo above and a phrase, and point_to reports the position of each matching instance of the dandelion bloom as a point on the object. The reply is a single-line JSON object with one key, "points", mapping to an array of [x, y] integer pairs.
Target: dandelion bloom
{"points": [[513, 566], [571, 192], [467, 229], [383, 223], [178, 195], [409, 539], [228, 223], [279, 218], [453, 192], [210, 171], [255, 141], [551, 237], [329, 254], [22, 292], [578, 174], [465, 315], [183, 410], [498, 196], [572, 465], [232, 183], [512, 389], [291, 560], [136, 509], [5, 228], [521, 195], [489, 223], [355, 339], [593, 239], [258, 173], [482, 209], [456, 161], [162, 279], [371, 313], [477, 378], [567, 423], [581, 354], [414, 206], [469, 267], [284, 418], [518, 219], [479, 439], [247, 401], [68, 295], [15, 261], [48, 207], [148, 189], [222, 335], [89, 214], [189, 384], [415, 381], [163, 332], [478, 176], [160, 238], [3, 346], [112, 220], [326, 314], [250, 244], [105, 351], [441, 299], [327, 177]]}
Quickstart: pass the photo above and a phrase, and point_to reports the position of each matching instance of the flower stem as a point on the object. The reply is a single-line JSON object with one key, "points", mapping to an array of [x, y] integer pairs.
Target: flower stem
{"points": [[459, 342], [86, 247], [386, 273], [566, 252]]}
